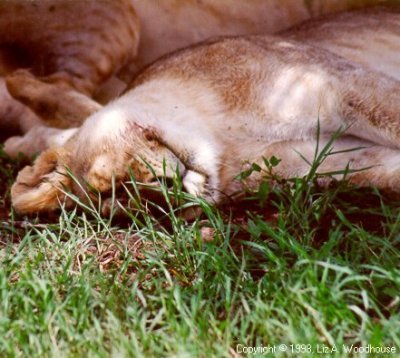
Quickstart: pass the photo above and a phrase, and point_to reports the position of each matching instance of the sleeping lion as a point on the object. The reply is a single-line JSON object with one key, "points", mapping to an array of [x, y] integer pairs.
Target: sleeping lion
{"points": [[74, 49], [211, 109]]}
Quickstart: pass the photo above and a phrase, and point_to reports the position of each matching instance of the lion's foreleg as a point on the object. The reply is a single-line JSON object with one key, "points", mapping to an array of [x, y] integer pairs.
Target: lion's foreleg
{"points": [[37, 139], [361, 162], [58, 105]]}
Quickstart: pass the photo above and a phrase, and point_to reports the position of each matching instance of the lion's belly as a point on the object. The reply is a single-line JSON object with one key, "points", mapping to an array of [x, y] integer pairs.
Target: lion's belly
{"points": [[288, 108]]}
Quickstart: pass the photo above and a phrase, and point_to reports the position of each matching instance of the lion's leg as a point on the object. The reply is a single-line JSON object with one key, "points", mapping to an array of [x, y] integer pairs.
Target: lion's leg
{"points": [[370, 107], [14, 116], [37, 140], [77, 43], [69, 46], [58, 105], [367, 164]]}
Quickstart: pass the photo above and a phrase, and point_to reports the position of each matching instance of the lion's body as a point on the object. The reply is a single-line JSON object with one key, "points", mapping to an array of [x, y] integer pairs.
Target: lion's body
{"points": [[72, 45], [167, 25], [214, 107], [80, 44]]}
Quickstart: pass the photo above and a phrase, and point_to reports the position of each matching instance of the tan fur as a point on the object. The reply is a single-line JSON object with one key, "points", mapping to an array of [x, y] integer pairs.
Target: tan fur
{"points": [[49, 173], [71, 48], [14, 115], [211, 109], [78, 44], [55, 34], [167, 25]]}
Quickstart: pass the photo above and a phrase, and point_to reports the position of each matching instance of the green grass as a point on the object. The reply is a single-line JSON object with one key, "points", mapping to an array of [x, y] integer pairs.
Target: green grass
{"points": [[294, 264]]}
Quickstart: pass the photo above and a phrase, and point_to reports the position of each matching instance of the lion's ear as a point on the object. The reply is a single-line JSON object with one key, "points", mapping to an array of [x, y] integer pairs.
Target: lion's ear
{"points": [[41, 187]]}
